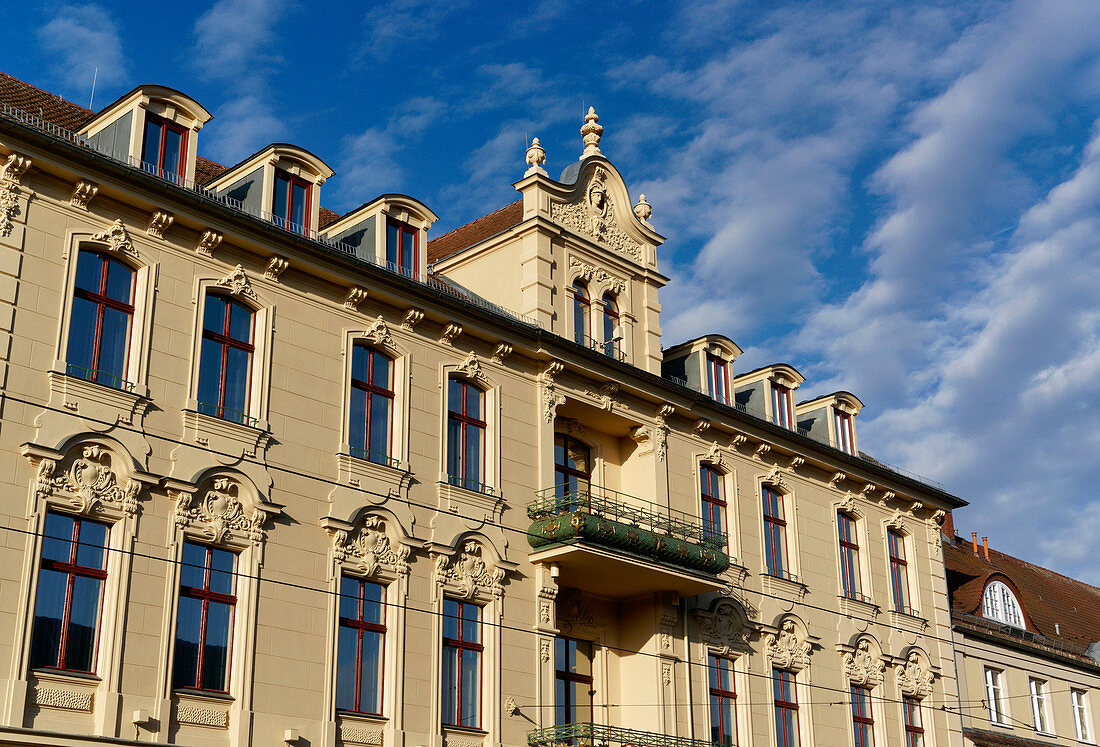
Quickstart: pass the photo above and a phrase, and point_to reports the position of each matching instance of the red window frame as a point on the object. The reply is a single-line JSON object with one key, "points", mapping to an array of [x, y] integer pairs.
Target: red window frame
{"points": [[103, 302], [466, 421], [720, 698], [164, 124], [463, 645], [863, 721], [567, 677], [845, 433], [914, 724], [899, 571], [206, 596], [582, 312], [72, 569], [718, 379], [360, 625], [714, 499], [370, 388], [405, 234], [226, 340], [782, 405], [785, 682], [307, 212], [849, 555], [775, 523]]}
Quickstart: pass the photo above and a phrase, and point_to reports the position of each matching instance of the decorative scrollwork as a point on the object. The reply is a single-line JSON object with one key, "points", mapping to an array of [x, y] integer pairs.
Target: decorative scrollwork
{"points": [[88, 483]]}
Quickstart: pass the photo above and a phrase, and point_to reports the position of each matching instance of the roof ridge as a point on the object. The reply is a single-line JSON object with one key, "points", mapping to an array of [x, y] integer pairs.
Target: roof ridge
{"points": [[47, 93], [475, 220]]}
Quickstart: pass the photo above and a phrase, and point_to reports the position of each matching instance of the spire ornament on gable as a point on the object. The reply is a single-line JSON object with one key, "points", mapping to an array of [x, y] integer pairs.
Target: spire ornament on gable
{"points": [[536, 157], [592, 130]]}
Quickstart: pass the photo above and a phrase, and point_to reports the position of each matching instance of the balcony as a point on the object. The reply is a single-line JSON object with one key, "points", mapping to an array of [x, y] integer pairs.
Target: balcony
{"points": [[617, 545], [598, 735]]}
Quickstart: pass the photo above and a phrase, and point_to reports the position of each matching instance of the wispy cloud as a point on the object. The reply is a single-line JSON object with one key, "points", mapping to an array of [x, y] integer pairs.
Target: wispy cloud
{"points": [[397, 24], [80, 40], [234, 40]]}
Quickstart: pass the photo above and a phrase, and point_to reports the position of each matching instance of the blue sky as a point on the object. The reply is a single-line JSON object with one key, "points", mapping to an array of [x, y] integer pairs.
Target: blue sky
{"points": [[901, 199]]}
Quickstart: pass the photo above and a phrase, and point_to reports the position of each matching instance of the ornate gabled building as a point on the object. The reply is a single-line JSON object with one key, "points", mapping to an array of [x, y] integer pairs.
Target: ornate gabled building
{"points": [[275, 475], [1027, 649]]}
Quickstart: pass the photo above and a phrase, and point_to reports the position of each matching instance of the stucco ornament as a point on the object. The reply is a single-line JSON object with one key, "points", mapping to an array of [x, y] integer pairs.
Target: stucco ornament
{"points": [[88, 483], [550, 397], [660, 431], [220, 511], [276, 266], [238, 284], [449, 333], [470, 571], [914, 679], [159, 222], [607, 395], [590, 273], [591, 131], [354, 297], [863, 667], [379, 333], [83, 193], [723, 629], [471, 367], [117, 239], [714, 456], [369, 547], [643, 211], [788, 649], [10, 174], [208, 242], [594, 216], [536, 157]]}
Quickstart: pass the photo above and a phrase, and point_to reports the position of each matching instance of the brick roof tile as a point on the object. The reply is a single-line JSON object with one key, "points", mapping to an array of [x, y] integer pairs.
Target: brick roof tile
{"points": [[42, 104], [474, 232]]}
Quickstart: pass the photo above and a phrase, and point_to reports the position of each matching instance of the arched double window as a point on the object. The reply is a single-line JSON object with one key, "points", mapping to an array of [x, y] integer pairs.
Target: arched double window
{"points": [[225, 359], [101, 321], [582, 307], [371, 416], [1000, 604]]}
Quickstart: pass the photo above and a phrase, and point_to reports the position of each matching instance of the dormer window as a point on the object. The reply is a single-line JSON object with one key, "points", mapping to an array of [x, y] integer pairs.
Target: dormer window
{"points": [[401, 249], [718, 379], [164, 150], [1000, 604], [291, 203], [782, 406], [845, 434]]}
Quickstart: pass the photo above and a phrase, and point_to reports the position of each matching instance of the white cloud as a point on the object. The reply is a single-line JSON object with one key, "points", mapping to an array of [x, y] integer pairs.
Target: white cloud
{"points": [[398, 24], [80, 40], [234, 39], [241, 126]]}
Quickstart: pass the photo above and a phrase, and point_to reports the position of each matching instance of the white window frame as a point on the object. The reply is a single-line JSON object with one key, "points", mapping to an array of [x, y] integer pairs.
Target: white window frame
{"points": [[1000, 604], [1082, 719], [996, 701], [1040, 712]]}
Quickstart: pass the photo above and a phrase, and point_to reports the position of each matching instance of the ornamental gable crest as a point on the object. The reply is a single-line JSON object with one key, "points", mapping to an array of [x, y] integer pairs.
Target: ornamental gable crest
{"points": [[723, 629], [90, 483], [594, 215], [220, 511], [788, 649], [370, 547], [471, 368], [863, 666], [474, 569], [914, 677]]}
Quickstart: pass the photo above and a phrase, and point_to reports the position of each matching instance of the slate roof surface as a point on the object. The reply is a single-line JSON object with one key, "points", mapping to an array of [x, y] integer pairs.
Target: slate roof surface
{"points": [[474, 232], [1063, 610]]}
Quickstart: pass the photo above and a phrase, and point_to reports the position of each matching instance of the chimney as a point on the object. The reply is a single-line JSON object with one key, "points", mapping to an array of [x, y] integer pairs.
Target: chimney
{"points": [[947, 526], [985, 546], [974, 542]]}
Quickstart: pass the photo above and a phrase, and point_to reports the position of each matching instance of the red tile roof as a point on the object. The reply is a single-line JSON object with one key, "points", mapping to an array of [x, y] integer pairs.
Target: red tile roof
{"points": [[982, 738], [327, 218], [1063, 610], [485, 227], [42, 104]]}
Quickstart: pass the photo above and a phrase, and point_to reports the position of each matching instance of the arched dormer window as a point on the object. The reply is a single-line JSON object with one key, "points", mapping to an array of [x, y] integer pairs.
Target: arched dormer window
{"points": [[1000, 604], [612, 345], [582, 327]]}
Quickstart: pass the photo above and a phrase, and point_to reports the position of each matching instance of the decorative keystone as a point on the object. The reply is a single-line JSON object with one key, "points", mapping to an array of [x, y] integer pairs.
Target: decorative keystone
{"points": [[591, 130]]}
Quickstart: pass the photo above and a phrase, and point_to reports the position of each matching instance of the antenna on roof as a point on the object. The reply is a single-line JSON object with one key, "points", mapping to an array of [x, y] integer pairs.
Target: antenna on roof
{"points": [[92, 97]]}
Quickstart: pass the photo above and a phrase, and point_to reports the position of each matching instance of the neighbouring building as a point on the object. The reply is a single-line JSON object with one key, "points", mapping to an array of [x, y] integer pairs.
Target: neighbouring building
{"points": [[1027, 649], [276, 475]]}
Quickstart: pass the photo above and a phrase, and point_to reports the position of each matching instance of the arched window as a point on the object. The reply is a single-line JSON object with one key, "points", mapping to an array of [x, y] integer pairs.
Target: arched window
{"points": [[465, 435], [611, 346], [582, 329], [225, 359], [572, 468], [102, 319], [1000, 604], [371, 408]]}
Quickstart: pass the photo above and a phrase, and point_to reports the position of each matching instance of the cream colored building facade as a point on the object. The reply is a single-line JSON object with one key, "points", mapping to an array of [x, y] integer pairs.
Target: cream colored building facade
{"points": [[621, 569]]}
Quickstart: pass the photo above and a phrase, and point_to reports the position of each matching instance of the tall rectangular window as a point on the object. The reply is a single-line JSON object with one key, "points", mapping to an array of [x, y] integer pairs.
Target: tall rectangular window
{"points": [[899, 572], [465, 435], [612, 347], [164, 151], [290, 206], [101, 319], [204, 621], [69, 598], [994, 696], [582, 311], [718, 379], [1039, 705], [401, 249], [786, 708], [572, 681], [782, 406], [462, 650], [775, 533], [369, 429], [714, 500], [1081, 719], [863, 722], [360, 646], [723, 700], [845, 433], [849, 556], [225, 359], [914, 725]]}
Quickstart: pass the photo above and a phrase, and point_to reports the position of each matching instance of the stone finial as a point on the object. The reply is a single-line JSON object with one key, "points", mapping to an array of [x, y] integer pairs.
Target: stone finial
{"points": [[536, 157], [591, 130], [642, 210]]}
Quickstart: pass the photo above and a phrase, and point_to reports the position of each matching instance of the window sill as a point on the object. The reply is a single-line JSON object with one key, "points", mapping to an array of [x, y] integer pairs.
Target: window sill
{"points": [[471, 730], [65, 675], [363, 718], [211, 695], [782, 587], [94, 400], [853, 607]]}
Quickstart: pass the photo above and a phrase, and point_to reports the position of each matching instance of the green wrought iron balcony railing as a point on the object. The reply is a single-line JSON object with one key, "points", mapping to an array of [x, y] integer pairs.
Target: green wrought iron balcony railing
{"points": [[598, 735], [618, 521]]}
